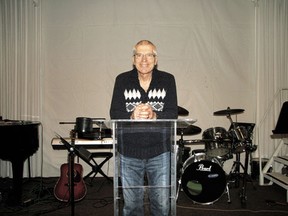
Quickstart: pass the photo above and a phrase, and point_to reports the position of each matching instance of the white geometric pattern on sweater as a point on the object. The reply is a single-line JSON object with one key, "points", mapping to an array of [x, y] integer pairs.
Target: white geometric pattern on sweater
{"points": [[132, 94], [152, 94], [157, 106], [130, 106]]}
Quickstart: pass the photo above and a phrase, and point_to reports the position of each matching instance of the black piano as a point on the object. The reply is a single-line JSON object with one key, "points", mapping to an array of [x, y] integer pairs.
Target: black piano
{"points": [[19, 140]]}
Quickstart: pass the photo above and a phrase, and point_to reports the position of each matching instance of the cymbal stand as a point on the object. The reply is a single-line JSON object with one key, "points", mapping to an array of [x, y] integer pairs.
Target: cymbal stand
{"points": [[236, 167], [236, 164], [248, 150], [243, 195], [181, 149], [235, 170]]}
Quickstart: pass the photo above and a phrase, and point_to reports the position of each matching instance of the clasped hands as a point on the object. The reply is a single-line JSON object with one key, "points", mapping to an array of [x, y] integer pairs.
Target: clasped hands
{"points": [[143, 111]]}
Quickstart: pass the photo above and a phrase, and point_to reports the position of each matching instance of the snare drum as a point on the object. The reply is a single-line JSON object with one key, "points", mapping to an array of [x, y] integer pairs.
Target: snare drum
{"points": [[204, 181], [218, 143]]}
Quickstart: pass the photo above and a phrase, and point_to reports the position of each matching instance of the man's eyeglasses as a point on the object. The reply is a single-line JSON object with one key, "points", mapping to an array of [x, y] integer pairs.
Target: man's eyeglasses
{"points": [[148, 56]]}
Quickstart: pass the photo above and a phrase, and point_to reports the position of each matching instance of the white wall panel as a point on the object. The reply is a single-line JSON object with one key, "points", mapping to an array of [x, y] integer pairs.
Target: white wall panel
{"points": [[207, 45]]}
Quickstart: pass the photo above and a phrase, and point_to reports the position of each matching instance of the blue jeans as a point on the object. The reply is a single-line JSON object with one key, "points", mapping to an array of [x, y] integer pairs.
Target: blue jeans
{"points": [[132, 172]]}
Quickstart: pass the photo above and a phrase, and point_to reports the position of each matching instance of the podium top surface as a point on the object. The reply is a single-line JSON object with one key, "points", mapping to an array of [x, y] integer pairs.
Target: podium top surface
{"points": [[191, 121], [180, 123]]}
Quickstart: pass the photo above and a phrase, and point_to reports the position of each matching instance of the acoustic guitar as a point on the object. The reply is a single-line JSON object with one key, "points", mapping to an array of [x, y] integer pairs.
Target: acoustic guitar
{"points": [[61, 189]]}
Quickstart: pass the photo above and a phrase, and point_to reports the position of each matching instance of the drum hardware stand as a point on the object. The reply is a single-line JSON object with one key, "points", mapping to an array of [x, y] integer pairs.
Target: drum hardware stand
{"points": [[180, 165], [243, 195], [248, 150], [178, 189], [236, 171], [180, 131], [181, 150], [221, 162], [237, 164], [228, 193]]}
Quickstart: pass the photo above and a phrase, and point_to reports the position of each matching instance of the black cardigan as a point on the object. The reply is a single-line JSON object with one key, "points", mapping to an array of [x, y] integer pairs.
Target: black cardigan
{"points": [[138, 141]]}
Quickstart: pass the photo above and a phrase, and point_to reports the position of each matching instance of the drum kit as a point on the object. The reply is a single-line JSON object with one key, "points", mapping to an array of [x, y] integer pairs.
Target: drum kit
{"points": [[200, 172]]}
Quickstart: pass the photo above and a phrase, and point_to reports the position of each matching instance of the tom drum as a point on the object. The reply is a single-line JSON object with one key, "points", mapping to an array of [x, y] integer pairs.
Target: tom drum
{"points": [[217, 142]]}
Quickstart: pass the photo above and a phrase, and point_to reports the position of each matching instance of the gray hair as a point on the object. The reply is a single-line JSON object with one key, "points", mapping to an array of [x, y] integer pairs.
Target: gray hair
{"points": [[145, 42]]}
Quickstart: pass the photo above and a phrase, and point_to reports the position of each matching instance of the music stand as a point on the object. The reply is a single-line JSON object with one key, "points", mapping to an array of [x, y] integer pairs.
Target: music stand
{"points": [[282, 123], [71, 149], [81, 153], [77, 151]]}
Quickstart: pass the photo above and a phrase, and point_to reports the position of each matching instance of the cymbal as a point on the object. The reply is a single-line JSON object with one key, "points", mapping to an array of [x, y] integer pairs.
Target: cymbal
{"points": [[190, 130], [184, 123], [182, 111], [228, 111]]}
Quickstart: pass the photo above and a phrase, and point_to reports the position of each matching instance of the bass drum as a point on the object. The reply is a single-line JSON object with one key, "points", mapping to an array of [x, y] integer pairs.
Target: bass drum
{"points": [[203, 181]]}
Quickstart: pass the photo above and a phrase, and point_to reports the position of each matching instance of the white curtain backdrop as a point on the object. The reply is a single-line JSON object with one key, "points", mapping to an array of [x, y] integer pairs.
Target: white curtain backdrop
{"points": [[271, 48], [20, 81], [221, 53]]}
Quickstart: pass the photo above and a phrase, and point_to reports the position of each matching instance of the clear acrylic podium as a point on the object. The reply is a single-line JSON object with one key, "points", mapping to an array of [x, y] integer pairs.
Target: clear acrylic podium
{"points": [[124, 130]]}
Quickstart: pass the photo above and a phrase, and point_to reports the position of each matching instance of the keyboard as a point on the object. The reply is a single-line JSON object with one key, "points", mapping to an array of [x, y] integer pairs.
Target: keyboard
{"points": [[89, 144]]}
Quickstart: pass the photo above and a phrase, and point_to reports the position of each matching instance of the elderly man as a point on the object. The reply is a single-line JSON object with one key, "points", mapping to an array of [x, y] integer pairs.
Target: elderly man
{"points": [[145, 93]]}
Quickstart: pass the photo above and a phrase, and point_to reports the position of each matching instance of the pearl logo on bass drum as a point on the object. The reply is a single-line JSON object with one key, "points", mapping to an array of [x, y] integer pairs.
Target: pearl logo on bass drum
{"points": [[201, 167]]}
